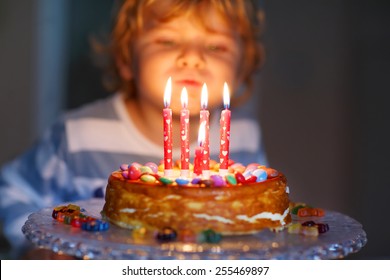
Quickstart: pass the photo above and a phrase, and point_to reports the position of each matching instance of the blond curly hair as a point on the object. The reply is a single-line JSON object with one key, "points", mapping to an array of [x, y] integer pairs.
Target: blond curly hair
{"points": [[242, 15]]}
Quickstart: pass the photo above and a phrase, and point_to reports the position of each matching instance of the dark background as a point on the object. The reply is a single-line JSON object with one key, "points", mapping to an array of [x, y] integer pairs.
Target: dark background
{"points": [[322, 94]]}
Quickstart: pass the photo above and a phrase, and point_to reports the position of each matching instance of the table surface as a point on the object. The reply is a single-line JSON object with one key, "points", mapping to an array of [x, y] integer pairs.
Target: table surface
{"points": [[345, 236]]}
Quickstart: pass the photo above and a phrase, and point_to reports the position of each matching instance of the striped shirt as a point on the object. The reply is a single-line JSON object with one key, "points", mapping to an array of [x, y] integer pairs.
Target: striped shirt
{"points": [[75, 157]]}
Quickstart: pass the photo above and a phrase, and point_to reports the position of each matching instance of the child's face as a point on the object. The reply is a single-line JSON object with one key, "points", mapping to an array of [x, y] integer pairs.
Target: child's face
{"points": [[192, 55]]}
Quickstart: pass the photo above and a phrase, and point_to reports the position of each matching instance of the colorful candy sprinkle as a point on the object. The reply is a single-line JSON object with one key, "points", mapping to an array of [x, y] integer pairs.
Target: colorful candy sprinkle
{"points": [[135, 164], [295, 209], [308, 228], [237, 167], [252, 166], [166, 234], [134, 172], [231, 179], [240, 178], [95, 225], [73, 215], [125, 174], [124, 167], [294, 228], [76, 222], [218, 181], [146, 169], [237, 174], [251, 179], [272, 173], [147, 178], [308, 212], [165, 180], [209, 236], [152, 166], [309, 231], [196, 181], [182, 181], [322, 228], [260, 174]]}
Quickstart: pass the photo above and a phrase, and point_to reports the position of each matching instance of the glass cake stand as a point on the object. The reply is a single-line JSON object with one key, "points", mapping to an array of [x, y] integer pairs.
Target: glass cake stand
{"points": [[344, 237]]}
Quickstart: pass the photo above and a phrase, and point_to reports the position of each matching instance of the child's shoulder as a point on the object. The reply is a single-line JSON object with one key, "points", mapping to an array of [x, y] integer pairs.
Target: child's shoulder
{"points": [[102, 108]]}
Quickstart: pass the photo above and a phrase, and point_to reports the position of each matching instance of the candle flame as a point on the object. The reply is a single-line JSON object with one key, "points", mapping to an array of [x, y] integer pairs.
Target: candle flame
{"points": [[202, 133], [168, 93], [184, 98], [226, 96], [204, 97]]}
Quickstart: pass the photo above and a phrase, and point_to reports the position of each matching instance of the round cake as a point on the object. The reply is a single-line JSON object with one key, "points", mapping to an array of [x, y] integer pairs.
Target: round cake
{"points": [[245, 200]]}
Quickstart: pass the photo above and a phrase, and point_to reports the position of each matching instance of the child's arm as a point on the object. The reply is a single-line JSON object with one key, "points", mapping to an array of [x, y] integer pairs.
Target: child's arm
{"points": [[31, 182]]}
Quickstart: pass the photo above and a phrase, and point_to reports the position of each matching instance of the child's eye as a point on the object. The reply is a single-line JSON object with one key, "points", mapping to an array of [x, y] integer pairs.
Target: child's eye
{"points": [[166, 42], [217, 48]]}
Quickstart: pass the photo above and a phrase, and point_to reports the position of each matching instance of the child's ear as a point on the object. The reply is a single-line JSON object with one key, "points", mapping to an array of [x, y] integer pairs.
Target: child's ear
{"points": [[125, 70]]}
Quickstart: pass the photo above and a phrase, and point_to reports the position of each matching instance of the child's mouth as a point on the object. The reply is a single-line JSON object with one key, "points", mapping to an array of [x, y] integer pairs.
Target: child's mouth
{"points": [[189, 83]]}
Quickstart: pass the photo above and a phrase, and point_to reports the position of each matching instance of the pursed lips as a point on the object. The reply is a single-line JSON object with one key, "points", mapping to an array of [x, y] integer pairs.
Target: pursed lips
{"points": [[189, 83]]}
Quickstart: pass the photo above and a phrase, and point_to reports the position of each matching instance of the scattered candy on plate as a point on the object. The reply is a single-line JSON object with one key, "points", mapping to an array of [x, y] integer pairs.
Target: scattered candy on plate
{"points": [[75, 216], [310, 212], [308, 228]]}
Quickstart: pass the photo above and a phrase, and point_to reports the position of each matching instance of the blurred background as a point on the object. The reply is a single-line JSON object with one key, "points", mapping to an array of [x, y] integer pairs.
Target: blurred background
{"points": [[323, 94]]}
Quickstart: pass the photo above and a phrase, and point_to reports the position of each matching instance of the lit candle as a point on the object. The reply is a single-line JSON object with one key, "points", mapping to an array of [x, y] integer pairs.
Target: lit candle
{"points": [[167, 114], [184, 134], [198, 162], [224, 132], [204, 119]]}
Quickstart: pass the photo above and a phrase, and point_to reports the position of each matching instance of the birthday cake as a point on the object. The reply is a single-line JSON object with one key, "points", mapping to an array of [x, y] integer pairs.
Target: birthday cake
{"points": [[244, 200]]}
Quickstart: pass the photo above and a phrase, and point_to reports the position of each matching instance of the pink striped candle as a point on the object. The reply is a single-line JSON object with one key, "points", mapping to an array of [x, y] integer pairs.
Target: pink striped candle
{"points": [[167, 124], [204, 119], [198, 162], [224, 132], [184, 134]]}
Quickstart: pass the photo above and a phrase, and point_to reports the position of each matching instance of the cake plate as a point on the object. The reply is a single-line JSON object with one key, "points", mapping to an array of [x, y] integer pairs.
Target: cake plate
{"points": [[344, 237]]}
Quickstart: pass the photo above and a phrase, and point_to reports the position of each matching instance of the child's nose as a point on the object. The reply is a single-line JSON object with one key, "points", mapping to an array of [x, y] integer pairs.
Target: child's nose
{"points": [[191, 57]]}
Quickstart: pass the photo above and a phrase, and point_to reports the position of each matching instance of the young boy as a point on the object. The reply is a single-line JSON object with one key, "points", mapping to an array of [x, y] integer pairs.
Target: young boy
{"points": [[193, 42]]}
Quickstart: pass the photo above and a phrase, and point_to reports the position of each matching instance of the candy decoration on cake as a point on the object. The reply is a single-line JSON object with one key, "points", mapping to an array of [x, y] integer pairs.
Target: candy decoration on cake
{"points": [[225, 132], [167, 123], [236, 174]]}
